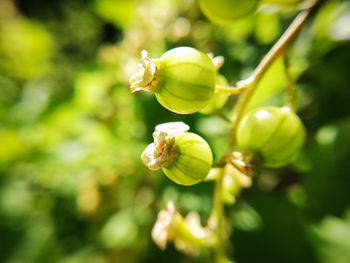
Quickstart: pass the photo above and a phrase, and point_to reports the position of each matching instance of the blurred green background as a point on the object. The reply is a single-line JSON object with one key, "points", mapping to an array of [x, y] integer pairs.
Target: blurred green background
{"points": [[72, 186]]}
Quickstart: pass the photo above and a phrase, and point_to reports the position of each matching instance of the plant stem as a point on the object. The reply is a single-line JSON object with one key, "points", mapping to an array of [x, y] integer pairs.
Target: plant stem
{"points": [[277, 50], [248, 86], [217, 218], [229, 90]]}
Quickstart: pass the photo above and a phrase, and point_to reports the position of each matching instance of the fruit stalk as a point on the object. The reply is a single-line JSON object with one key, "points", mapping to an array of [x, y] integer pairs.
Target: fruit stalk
{"points": [[249, 85], [229, 89], [217, 220], [277, 50]]}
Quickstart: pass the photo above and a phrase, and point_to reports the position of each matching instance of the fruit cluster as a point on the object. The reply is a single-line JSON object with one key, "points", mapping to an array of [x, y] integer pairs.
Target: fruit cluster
{"points": [[184, 81]]}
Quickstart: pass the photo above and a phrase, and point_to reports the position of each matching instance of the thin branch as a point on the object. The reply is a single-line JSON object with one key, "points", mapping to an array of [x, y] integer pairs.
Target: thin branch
{"points": [[249, 86], [217, 220], [229, 89], [277, 50]]}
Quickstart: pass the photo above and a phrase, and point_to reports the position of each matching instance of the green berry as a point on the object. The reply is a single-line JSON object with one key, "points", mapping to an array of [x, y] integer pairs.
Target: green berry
{"points": [[227, 11], [193, 162], [271, 136], [219, 99], [183, 79], [184, 157]]}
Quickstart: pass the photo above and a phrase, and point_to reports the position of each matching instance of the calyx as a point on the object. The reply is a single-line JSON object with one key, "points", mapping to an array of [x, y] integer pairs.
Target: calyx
{"points": [[162, 152]]}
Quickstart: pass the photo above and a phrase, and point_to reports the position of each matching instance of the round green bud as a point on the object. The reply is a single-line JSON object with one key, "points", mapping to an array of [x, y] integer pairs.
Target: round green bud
{"points": [[218, 100], [183, 79], [227, 11], [271, 136], [184, 157]]}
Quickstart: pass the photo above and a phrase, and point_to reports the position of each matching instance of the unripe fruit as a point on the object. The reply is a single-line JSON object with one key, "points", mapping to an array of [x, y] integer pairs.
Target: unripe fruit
{"points": [[185, 157], [227, 11], [183, 79], [219, 99], [193, 161], [271, 136]]}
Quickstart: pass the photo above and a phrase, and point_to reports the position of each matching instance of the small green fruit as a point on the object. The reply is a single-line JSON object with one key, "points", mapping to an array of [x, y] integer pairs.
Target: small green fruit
{"points": [[193, 162], [271, 136], [183, 79], [227, 11], [219, 99], [185, 157]]}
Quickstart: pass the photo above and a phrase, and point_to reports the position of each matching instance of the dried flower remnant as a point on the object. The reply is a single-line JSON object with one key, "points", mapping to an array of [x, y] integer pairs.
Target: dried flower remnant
{"points": [[187, 234], [197, 236], [165, 228], [143, 79], [161, 153]]}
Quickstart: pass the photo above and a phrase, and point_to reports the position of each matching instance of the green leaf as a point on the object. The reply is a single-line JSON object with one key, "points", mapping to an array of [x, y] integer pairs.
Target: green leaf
{"points": [[272, 83]]}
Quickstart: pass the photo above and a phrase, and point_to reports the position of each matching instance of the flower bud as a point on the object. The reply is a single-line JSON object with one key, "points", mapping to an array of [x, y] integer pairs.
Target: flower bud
{"points": [[227, 11], [185, 157], [183, 79], [271, 136]]}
